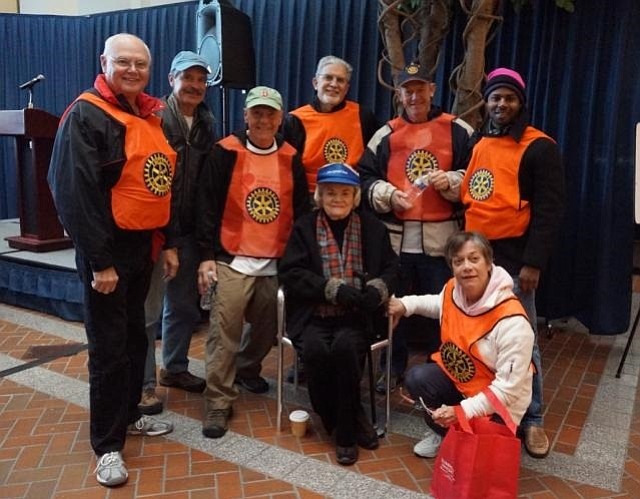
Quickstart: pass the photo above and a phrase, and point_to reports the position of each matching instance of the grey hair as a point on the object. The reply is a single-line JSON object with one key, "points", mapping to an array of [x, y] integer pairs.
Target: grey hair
{"points": [[332, 59], [109, 42], [457, 241], [320, 187]]}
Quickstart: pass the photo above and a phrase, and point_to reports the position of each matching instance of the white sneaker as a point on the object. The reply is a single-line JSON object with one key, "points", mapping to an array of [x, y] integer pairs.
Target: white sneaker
{"points": [[111, 470], [147, 426], [429, 445]]}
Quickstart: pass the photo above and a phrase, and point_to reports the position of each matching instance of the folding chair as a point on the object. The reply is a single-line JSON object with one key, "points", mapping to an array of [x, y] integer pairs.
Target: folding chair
{"points": [[284, 341]]}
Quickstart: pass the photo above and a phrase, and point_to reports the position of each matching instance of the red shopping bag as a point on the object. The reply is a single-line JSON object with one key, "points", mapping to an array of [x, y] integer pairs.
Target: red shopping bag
{"points": [[478, 458]]}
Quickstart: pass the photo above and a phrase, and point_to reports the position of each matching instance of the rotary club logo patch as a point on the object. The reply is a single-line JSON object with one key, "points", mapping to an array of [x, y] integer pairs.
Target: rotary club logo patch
{"points": [[481, 185], [157, 174], [419, 163], [335, 151], [263, 205], [412, 68], [457, 362]]}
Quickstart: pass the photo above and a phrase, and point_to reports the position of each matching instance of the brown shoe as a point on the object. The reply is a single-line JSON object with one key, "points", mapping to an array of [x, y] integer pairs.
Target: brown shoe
{"points": [[536, 442], [150, 403], [184, 380], [216, 422]]}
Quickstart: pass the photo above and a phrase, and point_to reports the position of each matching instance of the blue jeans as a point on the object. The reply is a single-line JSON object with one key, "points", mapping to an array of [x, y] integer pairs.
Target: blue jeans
{"points": [[180, 313], [533, 416], [419, 274], [431, 383], [153, 323]]}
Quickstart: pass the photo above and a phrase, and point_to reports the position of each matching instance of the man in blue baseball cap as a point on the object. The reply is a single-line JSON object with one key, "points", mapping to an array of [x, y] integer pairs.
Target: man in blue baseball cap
{"points": [[333, 287], [188, 124]]}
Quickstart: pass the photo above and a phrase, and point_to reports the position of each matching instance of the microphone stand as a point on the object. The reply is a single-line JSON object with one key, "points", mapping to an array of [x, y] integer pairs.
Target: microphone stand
{"points": [[30, 103]]}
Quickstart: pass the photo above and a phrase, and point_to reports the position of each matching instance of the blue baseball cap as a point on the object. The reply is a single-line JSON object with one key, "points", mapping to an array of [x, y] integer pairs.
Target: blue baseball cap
{"points": [[338, 173], [187, 59]]}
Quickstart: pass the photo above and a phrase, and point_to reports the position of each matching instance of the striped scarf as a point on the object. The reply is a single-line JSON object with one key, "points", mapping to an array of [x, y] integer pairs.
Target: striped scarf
{"points": [[345, 264]]}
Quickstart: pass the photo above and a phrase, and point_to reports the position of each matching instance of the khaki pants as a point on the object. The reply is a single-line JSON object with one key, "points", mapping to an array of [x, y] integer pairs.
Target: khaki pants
{"points": [[238, 297]]}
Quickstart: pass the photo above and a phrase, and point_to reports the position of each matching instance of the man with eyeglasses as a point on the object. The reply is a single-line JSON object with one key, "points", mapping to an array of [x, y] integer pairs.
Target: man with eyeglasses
{"points": [[110, 175], [330, 129], [188, 124], [422, 143]]}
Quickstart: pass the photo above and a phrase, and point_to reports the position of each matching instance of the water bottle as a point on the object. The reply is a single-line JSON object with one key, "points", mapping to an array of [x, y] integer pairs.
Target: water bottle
{"points": [[417, 188], [207, 299]]}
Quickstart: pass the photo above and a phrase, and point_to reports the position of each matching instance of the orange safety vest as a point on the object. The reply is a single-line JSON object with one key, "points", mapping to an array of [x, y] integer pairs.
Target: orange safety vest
{"points": [[330, 138], [459, 332], [141, 199], [490, 190], [258, 212], [416, 149]]}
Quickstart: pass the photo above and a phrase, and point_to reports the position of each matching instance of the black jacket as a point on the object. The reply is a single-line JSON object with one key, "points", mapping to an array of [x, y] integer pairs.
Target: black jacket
{"points": [[541, 182], [300, 270], [213, 187], [87, 161]]}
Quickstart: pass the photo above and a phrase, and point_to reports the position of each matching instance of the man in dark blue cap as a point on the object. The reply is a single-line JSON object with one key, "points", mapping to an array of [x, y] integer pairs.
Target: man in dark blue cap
{"points": [[188, 124], [423, 143]]}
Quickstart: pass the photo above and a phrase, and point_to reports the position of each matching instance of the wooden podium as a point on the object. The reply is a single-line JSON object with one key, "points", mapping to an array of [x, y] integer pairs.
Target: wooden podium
{"points": [[34, 131]]}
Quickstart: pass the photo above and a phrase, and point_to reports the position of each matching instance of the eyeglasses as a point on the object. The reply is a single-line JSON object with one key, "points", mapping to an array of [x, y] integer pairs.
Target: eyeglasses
{"points": [[340, 80], [124, 63]]}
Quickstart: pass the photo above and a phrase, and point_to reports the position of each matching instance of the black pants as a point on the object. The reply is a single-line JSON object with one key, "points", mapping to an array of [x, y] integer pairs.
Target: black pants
{"points": [[334, 356], [115, 326]]}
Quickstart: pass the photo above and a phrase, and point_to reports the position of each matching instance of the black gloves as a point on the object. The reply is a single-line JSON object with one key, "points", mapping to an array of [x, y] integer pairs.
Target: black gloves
{"points": [[370, 299], [348, 296]]}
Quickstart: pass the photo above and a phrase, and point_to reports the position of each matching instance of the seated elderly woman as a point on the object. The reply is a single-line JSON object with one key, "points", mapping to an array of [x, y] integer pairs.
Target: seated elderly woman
{"points": [[338, 270], [486, 341]]}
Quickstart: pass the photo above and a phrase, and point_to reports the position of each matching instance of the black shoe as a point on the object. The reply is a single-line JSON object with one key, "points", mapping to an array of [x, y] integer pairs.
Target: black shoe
{"points": [[346, 456], [253, 385], [184, 380], [216, 422], [366, 435]]}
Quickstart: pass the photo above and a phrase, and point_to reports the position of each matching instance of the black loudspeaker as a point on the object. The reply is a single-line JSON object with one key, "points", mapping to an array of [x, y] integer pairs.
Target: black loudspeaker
{"points": [[225, 40]]}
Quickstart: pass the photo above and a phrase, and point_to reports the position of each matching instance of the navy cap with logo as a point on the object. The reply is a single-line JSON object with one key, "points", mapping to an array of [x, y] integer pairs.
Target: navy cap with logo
{"points": [[412, 72], [338, 173]]}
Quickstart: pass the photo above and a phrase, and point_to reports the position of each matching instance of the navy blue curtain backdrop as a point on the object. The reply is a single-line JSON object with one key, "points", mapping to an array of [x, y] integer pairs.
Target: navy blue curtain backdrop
{"points": [[581, 71]]}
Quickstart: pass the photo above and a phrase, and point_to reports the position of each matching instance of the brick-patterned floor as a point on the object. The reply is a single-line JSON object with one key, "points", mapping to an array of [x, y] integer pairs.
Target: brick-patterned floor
{"points": [[45, 452]]}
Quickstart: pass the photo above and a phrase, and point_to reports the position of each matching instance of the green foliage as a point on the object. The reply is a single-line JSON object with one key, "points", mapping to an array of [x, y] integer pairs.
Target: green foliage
{"points": [[568, 5], [410, 6]]}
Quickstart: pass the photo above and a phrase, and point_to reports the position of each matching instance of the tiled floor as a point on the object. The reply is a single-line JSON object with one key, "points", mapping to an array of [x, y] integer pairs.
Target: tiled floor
{"points": [[592, 418]]}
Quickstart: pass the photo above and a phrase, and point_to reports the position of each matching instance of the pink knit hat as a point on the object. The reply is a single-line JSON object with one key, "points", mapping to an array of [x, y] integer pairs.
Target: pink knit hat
{"points": [[505, 77]]}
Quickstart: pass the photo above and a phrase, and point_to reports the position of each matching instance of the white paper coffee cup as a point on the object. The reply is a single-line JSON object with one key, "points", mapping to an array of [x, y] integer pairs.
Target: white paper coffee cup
{"points": [[299, 420]]}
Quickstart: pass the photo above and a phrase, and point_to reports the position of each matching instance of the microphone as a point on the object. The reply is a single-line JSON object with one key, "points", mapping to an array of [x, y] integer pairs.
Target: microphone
{"points": [[31, 82]]}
